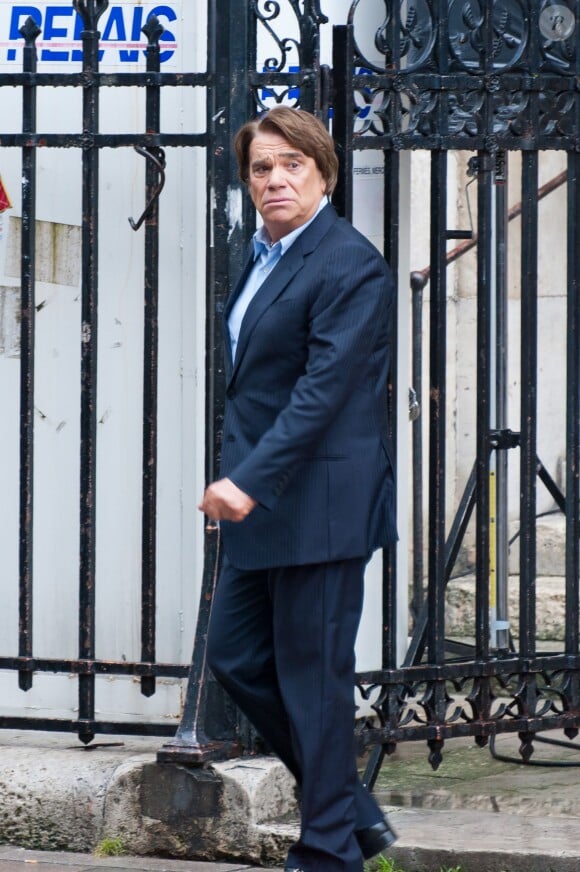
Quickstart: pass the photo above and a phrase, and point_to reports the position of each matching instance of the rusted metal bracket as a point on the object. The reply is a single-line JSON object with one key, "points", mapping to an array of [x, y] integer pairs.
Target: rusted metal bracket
{"points": [[156, 156]]}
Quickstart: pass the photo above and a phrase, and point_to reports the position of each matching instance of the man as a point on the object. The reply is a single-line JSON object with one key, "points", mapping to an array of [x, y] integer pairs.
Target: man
{"points": [[306, 492]]}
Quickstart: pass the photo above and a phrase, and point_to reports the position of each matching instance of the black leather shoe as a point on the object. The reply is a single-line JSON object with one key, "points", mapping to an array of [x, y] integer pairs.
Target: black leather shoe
{"points": [[373, 840]]}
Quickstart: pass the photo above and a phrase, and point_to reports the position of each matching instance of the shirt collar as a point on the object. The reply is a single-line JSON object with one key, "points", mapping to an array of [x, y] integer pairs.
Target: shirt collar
{"points": [[262, 242]]}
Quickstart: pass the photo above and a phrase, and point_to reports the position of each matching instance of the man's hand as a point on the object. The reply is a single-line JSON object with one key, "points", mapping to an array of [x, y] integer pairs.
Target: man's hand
{"points": [[224, 501]]}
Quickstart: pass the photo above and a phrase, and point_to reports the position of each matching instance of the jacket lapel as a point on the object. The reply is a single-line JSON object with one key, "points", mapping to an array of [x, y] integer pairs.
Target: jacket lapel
{"points": [[284, 271]]}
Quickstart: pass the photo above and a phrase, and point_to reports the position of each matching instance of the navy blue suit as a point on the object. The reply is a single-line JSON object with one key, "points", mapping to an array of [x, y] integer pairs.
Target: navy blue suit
{"points": [[305, 435]]}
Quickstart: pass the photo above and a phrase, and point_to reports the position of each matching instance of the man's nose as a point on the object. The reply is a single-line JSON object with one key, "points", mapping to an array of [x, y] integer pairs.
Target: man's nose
{"points": [[276, 176]]}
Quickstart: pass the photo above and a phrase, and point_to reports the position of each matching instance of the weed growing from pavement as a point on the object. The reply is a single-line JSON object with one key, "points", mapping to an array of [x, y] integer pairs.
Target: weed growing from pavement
{"points": [[382, 864], [385, 864], [110, 848]]}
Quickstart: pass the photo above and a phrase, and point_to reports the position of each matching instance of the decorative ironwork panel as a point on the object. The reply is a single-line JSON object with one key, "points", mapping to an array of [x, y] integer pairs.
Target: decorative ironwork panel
{"points": [[468, 699], [285, 66], [481, 77], [461, 75], [465, 75]]}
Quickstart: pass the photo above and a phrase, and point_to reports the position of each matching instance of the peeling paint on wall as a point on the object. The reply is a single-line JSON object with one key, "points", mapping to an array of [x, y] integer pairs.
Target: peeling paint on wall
{"points": [[9, 322], [58, 252]]}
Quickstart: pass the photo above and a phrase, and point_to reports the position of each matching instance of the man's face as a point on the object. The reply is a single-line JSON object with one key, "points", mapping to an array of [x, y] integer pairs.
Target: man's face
{"points": [[285, 185]]}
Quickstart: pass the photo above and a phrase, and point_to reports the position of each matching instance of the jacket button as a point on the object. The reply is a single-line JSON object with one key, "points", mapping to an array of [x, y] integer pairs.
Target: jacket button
{"points": [[230, 393], [230, 437]]}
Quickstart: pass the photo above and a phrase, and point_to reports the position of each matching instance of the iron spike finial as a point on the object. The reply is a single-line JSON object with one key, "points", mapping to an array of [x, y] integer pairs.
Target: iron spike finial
{"points": [[29, 31], [90, 11], [153, 30]]}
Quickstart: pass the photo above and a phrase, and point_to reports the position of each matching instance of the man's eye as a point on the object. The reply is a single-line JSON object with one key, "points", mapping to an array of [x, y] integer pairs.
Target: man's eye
{"points": [[260, 170]]}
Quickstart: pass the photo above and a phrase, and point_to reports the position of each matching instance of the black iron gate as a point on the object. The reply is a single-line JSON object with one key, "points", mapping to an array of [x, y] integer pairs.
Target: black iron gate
{"points": [[151, 144], [485, 78]]}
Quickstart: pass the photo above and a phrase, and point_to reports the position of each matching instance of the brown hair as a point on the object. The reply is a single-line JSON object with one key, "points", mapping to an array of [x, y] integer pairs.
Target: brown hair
{"points": [[301, 129]]}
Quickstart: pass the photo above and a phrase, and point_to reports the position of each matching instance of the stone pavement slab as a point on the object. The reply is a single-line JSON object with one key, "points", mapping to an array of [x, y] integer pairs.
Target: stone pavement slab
{"points": [[430, 841]]}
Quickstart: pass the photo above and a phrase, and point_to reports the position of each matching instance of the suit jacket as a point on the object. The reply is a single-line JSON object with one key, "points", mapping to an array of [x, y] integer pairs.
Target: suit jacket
{"points": [[305, 427]]}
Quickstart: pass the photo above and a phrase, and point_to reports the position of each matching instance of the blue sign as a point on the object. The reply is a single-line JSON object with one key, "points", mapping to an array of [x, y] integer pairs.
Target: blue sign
{"points": [[60, 41]]}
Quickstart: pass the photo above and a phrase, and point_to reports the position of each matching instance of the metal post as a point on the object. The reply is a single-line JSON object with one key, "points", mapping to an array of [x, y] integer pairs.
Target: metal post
{"points": [[499, 595], [482, 534], [485, 280], [152, 31], [573, 410], [529, 369], [437, 429], [573, 427], [29, 31], [90, 14], [342, 48], [391, 253]]}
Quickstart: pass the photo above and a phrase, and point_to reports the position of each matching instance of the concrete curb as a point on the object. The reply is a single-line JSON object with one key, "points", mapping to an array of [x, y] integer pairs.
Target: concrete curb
{"points": [[67, 799], [221, 812], [51, 798]]}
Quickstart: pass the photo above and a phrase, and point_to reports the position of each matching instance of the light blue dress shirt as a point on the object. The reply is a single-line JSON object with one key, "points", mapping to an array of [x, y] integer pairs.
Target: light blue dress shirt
{"points": [[266, 256]]}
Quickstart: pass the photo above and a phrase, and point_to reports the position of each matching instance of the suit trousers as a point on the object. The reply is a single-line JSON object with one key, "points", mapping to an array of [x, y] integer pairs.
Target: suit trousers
{"points": [[281, 642]]}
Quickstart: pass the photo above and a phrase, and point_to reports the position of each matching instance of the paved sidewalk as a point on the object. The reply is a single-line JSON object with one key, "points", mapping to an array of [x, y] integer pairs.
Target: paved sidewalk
{"points": [[20, 860], [475, 812], [429, 841]]}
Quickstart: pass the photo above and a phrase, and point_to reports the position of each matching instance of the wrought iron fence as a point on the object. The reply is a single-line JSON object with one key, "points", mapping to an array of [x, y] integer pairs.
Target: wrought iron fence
{"points": [[90, 142], [471, 76], [483, 78]]}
